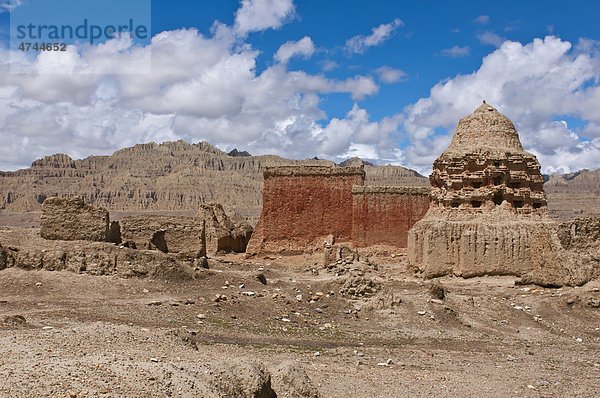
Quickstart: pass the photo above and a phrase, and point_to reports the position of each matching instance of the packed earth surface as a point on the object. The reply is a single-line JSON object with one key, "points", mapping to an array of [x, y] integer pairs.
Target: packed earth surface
{"points": [[368, 328]]}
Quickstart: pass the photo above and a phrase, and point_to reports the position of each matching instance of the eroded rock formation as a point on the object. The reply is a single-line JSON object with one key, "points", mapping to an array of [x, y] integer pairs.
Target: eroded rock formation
{"points": [[157, 177], [488, 208]]}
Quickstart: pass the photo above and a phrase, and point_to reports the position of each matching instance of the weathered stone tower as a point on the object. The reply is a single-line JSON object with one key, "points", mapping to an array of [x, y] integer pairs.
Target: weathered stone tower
{"points": [[488, 207], [485, 166]]}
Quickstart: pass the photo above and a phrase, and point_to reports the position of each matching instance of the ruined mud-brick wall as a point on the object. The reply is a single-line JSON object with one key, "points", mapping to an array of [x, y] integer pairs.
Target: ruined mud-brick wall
{"points": [[225, 229], [384, 215], [72, 219], [181, 234], [297, 211]]}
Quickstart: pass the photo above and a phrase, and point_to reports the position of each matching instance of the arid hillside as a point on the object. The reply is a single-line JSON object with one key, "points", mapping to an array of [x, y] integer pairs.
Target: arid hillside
{"points": [[574, 194], [178, 176], [161, 177]]}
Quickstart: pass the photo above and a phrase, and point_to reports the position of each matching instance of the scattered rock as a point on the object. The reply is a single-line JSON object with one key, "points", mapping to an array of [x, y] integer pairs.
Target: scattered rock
{"points": [[437, 291], [359, 286], [15, 320], [261, 278]]}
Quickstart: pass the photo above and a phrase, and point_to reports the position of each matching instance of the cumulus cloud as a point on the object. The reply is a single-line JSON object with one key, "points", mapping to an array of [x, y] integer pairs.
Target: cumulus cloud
{"points": [[390, 75], [456, 51], [491, 38], [303, 47], [533, 84], [482, 19], [207, 87], [359, 44], [199, 87], [257, 15]]}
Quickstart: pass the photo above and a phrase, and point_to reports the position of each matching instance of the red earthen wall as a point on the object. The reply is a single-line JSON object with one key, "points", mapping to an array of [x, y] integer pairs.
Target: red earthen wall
{"points": [[296, 211], [383, 215]]}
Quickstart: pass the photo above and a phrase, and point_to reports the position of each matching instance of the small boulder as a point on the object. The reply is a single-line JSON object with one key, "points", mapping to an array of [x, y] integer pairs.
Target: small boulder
{"points": [[291, 380]]}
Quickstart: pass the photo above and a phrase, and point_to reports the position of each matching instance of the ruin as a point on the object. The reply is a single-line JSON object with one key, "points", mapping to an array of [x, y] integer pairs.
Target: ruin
{"points": [[384, 215], [488, 208], [306, 206], [303, 205], [225, 230], [172, 234], [72, 219]]}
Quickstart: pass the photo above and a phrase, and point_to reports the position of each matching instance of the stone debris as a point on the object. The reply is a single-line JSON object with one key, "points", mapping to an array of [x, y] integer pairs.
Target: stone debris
{"points": [[359, 286]]}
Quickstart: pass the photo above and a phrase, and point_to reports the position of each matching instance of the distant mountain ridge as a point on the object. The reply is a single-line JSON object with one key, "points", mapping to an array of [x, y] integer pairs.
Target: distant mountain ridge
{"points": [[168, 176]]}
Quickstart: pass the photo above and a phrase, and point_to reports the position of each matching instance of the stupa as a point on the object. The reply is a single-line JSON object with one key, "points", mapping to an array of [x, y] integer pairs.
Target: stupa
{"points": [[488, 207]]}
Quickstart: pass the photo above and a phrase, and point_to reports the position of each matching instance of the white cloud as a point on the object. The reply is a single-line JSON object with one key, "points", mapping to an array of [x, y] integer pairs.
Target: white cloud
{"points": [[329, 65], [532, 84], [199, 88], [304, 47], [482, 20], [456, 51], [359, 44], [390, 75], [257, 15], [491, 38], [9, 5]]}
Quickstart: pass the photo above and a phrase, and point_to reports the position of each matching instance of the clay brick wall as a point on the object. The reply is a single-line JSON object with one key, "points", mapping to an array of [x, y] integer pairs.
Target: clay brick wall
{"points": [[383, 215], [297, 211], [72, 219]]}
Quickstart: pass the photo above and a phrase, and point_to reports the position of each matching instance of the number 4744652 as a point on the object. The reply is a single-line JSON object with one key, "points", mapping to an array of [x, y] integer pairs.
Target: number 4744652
{"points": [[43, 47]]}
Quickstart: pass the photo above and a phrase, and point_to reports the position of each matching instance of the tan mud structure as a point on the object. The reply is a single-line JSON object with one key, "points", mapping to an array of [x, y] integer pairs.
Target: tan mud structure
{"points": [[72, 219], [488, 210]]}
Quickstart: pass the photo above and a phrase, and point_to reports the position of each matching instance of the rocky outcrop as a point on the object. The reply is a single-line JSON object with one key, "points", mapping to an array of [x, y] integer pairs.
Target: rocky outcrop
{"points": [[225, 231], [488, 209], [303, 205], [179, 233], [384, 215], [72, 219], [158, 177]]}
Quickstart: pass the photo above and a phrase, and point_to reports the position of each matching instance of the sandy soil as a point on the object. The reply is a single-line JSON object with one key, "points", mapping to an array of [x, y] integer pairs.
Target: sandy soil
{"points": [[91, 336]]}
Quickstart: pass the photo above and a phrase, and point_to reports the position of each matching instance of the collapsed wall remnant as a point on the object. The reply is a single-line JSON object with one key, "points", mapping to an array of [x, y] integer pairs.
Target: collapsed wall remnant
{"points": [[72, 219], [303, 204], [225, 230], [166, 233], [580, 239], [488, 208], [384, 215]]}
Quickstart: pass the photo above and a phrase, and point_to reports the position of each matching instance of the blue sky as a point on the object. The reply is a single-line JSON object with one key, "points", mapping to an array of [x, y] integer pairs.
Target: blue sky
{"points": [[383, 80]]}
